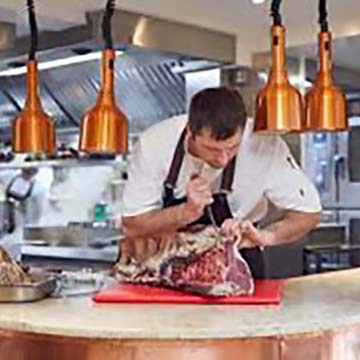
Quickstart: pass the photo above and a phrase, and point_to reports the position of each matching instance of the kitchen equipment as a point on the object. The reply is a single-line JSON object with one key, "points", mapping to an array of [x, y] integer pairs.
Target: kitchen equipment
{"points": [[80, 283], [332, 162], [33, 129], [325, 103], [266, 292], [104, 128], [278, 105], [43, 285]]}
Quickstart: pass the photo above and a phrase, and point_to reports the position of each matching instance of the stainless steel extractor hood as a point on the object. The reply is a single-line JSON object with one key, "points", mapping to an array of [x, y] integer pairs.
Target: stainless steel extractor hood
{"points": [[149, 86], [148, 91]]}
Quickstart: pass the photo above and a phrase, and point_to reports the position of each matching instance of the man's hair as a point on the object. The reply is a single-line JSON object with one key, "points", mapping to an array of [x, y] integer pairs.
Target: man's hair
{"points": [[221, 110], [29, 172]]}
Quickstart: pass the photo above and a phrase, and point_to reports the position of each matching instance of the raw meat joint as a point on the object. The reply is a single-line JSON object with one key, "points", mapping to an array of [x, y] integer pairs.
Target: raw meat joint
{"points": [[10, 272], [201, 262]]}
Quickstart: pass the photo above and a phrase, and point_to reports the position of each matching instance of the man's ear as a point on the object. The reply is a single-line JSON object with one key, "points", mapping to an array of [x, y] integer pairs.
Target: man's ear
{"points": [[189, 133]]}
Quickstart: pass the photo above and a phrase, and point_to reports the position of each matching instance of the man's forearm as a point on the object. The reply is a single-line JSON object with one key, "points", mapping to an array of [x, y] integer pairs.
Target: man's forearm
{"points": [[157, 222], [293, 226]]}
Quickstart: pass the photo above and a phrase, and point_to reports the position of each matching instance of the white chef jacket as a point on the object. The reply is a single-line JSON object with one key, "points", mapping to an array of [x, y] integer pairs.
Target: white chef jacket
{"points": [[265, 171]]}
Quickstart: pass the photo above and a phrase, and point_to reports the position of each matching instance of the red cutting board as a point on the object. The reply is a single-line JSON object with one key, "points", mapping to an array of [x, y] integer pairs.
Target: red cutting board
{"points": [[266, 292]]}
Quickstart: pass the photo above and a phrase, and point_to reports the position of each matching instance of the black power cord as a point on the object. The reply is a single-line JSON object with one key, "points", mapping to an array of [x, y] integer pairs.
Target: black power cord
{"points": [[33, 29], [106, 24], [275, 12], [323, 16]]}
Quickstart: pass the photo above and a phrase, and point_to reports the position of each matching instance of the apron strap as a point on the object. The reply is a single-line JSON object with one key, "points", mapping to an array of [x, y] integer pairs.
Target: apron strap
{"points": [[173, 174], [228, 176]]}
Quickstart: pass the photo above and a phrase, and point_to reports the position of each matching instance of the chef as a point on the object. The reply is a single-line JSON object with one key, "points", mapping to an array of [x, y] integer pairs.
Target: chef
{"points": [[24, 201], [210, 166]]}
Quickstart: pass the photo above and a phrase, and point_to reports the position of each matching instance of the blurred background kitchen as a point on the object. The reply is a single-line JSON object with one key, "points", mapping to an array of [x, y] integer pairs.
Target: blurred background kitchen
{"points": [[66, 209]]}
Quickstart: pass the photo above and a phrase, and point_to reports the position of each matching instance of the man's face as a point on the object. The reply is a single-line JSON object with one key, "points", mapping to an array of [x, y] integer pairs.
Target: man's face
{"points": [[29, 173], [217, 153]]}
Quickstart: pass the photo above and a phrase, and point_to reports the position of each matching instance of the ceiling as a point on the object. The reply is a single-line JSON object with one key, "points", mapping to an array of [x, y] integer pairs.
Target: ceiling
{"points": [[249, 22]]}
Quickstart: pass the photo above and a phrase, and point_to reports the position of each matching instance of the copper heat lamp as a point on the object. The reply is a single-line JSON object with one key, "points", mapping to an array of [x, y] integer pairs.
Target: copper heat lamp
{"points": [[33, 129], [325, 103], [104, 128], [278, 105]]}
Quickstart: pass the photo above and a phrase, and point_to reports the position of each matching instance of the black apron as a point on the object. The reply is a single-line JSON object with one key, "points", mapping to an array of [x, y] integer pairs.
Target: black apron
{"points": [[220, 206]]}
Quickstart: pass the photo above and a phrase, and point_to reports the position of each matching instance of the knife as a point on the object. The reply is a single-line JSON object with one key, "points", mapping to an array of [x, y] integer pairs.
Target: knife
{"points": [[212, 219]]}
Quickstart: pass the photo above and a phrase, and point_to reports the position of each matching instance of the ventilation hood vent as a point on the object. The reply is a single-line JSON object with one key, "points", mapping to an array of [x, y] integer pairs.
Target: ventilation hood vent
{"points": [[150, 85]]}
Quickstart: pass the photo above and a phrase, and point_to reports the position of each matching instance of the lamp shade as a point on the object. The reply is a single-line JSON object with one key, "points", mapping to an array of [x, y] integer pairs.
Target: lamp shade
{"points": [[279, 107], [325, 103], [33, 129], [104, 128]]}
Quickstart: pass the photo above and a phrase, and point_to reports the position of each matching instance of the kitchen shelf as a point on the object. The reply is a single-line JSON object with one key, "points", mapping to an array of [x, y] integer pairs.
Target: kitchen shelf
{"points": [[59, 163], [108, 255]]}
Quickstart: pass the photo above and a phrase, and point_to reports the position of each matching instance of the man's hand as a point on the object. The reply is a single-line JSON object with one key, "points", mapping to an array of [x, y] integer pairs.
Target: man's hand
{"points": [[199, 195], [245, 231], [251, 236]]}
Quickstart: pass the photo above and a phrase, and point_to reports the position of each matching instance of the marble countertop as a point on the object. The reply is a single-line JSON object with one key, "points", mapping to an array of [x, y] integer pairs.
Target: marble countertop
{"points": [[310, 304]]}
